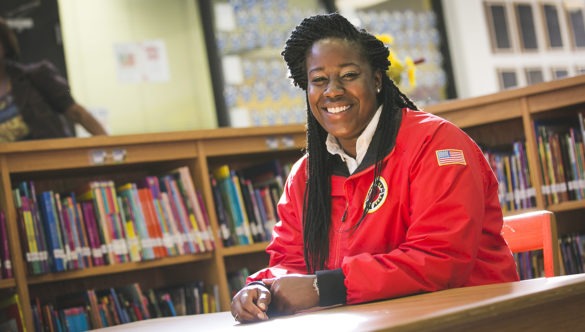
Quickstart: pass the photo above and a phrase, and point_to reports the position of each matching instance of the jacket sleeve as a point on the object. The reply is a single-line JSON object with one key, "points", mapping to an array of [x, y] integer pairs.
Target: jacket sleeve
{"points": [[286, 247], [51, 84], [446, 210]]}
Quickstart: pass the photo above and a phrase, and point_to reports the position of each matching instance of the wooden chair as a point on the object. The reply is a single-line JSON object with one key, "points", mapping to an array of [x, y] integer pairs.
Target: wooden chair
{"points": [[531, 231]]}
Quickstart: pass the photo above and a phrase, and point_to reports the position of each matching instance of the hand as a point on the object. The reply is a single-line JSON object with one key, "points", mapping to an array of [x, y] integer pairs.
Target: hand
{"points": [[250, 304], [292, 293]]}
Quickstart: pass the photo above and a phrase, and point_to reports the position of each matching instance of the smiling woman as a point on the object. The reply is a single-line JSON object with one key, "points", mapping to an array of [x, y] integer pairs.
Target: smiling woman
{"points": [[388, 200]]}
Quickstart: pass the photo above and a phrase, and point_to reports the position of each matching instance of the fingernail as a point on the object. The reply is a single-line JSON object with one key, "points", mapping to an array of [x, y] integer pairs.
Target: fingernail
{"points": [[262, 306], [262, 316]]}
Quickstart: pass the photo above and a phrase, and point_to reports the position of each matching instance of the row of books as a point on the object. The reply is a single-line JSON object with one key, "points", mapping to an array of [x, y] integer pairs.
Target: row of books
{"points": [[5, 257], [573, 253], [530, 264], [561, 151], [515, 188], [103, 223], [245, 201], [114, 306]]}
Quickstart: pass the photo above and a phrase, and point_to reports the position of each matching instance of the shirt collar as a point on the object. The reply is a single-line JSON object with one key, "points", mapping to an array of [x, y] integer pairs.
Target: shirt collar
{"points": [[362, 144]]}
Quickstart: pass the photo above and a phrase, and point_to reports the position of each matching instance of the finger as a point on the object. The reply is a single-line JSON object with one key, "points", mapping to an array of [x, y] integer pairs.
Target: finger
{"points": [[262, 303]]}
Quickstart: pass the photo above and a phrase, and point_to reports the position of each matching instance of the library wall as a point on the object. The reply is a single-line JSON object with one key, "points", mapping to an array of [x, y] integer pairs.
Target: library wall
{"points": [[105, 43]]}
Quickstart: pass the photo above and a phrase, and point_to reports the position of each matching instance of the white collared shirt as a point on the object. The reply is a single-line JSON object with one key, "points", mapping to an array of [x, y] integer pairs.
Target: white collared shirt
{"points": [[362, 144]]}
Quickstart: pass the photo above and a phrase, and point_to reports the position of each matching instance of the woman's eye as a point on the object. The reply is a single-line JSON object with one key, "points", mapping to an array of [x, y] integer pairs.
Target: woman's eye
{"points": [[318, 80], [350, 75]]}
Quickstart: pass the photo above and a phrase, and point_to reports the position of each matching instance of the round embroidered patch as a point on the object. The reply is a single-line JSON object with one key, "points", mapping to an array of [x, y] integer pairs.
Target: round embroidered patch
{"points": [[379, 196]]}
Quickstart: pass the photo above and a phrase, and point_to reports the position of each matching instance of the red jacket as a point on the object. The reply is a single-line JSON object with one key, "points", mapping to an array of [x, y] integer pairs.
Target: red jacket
{"points": [[435, 223]]}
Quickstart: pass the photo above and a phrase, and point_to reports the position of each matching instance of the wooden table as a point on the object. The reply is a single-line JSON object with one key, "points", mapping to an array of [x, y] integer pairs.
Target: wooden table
{"points": [[544, 304]]}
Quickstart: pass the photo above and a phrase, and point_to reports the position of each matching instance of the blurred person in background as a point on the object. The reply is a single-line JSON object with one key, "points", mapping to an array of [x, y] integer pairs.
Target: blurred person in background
{"points": [[35, 100]]}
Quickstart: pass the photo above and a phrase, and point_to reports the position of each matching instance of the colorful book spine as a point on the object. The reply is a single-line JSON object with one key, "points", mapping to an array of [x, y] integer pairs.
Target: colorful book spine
{"points": [[180, 213], [153, 225], [129, 194], [29, 235], [93, 194], [53, 232], [39, 226], [73, 208], [190, 194], [68, 237], [132, 240], [241, 206], [231, 202], [226, 228], [152, 183], [114, 220], [97, 249], [174, 228]]}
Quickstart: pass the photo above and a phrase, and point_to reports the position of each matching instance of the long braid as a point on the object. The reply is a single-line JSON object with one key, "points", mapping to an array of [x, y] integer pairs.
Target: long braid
{"points": [[317, 198]]}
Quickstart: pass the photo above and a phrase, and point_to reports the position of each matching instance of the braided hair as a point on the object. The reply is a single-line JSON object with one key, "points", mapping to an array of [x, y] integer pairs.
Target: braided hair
{"points": [[317, 197]]}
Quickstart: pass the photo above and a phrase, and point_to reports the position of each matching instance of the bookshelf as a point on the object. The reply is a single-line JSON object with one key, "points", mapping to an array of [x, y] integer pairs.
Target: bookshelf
{"points": [[63, 164]]}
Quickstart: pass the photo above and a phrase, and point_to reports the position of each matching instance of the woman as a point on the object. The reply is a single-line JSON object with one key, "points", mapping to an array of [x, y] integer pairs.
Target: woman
{"points": [[388, 201], [34, 97]]}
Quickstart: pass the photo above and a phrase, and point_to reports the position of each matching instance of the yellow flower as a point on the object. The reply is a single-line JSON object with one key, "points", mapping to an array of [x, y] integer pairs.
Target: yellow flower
{"points": [[397, 67]]}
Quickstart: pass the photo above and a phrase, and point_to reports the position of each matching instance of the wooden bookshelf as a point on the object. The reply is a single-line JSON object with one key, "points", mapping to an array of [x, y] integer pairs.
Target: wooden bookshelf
{"points": [[64, 163]]}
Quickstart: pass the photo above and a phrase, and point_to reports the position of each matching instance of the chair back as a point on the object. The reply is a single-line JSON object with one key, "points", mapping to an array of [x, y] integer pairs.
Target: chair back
{"points": [[532, 231]]}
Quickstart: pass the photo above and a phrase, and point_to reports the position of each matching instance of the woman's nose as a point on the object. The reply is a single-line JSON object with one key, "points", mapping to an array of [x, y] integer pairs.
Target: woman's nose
{"points": [[334, 89]]}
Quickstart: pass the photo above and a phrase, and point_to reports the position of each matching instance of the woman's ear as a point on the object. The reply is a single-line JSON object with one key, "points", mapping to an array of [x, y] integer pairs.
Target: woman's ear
{"points": [[378, 80]]}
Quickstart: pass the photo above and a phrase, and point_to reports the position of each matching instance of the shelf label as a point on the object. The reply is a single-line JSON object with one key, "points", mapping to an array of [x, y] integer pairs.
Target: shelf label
{"points": [[118, 155], [288, 141], [97, 157], [272, 143]]}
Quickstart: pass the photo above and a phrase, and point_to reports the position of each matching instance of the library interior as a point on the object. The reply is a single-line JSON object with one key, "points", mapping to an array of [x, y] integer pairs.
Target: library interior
{"points": [[161, 221]]}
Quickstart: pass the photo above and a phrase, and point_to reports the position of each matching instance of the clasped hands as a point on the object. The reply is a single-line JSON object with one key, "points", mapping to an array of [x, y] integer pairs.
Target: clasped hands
{"points": [[286, 295]]}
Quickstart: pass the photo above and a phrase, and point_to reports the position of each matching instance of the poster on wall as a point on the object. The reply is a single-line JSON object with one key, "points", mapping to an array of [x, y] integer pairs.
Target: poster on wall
{"points": [[142, 62]]}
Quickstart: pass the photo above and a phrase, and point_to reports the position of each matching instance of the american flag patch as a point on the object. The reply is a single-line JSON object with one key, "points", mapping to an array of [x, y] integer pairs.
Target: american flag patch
{"points": [[450, 157]]}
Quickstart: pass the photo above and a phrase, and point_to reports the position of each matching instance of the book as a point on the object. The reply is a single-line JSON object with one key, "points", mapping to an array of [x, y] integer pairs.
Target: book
{"points": [[11, 313], [133, 292], [27, 232], [132, 240], [93, 309], [5, 255], [162, 218], [271, 214], [98, 249], [193, 242], [187, 188], [69, 243], [113, 218], [92, 193], [249, 230], [232, 202], [254, 216], [225, 224], [56, 247], [152, 222], [131, 200], [180, 241], [75, 319], [39, 225], [73, 209], [154, 308]]}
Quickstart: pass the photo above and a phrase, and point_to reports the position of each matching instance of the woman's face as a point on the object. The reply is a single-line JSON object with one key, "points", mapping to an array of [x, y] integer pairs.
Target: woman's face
{"points": [[341, 89]]}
